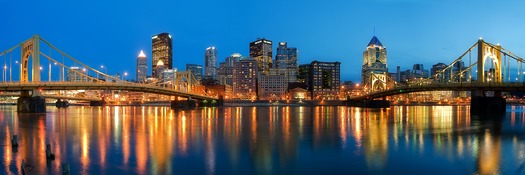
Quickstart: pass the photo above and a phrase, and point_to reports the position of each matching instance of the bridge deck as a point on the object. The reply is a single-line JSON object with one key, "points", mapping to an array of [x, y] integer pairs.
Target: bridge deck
{"points": [[505, 87], [19, 86]]}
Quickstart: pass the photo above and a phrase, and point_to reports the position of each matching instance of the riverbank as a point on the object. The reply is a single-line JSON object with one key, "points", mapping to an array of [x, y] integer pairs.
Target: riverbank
{"points": [[263, 103]]}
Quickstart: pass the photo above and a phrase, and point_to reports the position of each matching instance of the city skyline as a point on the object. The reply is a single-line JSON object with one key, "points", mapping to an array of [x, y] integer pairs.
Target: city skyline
{"points": [[413, 31]]}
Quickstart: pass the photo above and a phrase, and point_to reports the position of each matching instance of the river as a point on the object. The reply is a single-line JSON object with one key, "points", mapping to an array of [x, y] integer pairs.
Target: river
{"points": [[264, 140]]}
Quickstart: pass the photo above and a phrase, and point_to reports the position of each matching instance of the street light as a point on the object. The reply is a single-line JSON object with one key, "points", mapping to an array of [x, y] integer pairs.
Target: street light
{"points": [[123, 77]]}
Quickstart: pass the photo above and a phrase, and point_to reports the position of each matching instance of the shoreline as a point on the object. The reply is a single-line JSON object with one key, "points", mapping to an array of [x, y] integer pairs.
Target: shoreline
{"points": [[265, 103]]}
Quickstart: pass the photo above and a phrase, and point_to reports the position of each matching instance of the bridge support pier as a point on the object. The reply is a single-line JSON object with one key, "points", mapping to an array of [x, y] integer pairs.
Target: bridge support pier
{"points": [[97, 103], [183, 104], [369, 103], [33, 103], [61, 103], [482, 105], [212, 103]]}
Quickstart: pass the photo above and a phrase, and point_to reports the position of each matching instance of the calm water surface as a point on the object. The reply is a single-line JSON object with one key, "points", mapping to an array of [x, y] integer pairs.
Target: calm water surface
{"points": [[265, 140]]}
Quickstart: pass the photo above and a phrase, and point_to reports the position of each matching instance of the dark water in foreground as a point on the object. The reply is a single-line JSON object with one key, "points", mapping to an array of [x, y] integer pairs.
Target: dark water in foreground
{"points": [[265, 140]]}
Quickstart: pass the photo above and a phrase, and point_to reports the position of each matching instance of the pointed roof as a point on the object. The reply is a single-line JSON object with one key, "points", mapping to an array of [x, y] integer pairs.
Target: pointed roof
{"points": [[141, 54], [160, 63], [375, 41]]}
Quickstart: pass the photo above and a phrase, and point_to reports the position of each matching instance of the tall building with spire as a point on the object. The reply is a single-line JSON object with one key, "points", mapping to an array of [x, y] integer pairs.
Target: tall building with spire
{"points": [[142, 67], [210, 62], [162, 52], [374, 70], [261, 51]]}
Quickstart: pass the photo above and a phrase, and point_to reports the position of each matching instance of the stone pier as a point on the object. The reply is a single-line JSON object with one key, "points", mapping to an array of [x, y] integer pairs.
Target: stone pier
{"points": [[61, 103], [183, 104], [212, 103], [97, 103], [369, 103], [33, 103], [482, 105]]}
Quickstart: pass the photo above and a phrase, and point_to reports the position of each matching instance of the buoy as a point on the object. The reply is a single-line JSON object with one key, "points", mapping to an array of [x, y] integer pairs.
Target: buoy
{"points": [[14, 140], [49, 155], [23, 167], [65, 169]]}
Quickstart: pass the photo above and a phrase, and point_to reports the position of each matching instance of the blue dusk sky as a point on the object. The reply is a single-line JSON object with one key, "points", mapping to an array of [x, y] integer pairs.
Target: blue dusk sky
{"points": [[112, 33]]}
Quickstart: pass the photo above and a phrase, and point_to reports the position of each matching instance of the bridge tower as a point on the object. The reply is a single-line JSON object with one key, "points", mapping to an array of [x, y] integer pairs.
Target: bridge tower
{"points": [[34, 102], [480, 102], [494, 53], [30, 48]]}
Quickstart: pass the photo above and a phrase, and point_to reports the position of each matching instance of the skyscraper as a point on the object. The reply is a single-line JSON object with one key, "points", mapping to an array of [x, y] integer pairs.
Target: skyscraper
{"points": [[160, 69], [245, 78], [76, 74], [325, 79], [225, 72], [286, 61], [161, 51], [142, 67], [196, 70], [374, 71], [261, 51], [210, 62]]}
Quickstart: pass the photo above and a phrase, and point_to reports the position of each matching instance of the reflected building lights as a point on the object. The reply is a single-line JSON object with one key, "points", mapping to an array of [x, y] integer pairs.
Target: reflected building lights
{"points": [[357, 128], [266, 138]]}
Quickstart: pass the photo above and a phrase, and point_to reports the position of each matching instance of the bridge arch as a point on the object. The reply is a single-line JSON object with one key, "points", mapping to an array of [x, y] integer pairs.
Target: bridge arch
{"points": [[378, 82], [184, 79], [493, 53], [378, 85]]}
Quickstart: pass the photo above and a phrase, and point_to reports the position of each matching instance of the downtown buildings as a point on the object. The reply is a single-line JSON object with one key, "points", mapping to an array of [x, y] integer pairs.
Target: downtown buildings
{"points": [[142, 67], [225, 72], [261, 51], [162, 54], [258, 76], [321, 79], [286, 61], [196, 70], [76, 74], [244, 81], [210, 63], [374, 71]]}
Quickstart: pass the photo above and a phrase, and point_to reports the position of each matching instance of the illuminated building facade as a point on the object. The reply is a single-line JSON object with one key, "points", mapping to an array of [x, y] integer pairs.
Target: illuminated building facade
{"points": [[210, 62], [261, 51], [374, 70], [225, 72], [245, 78], [169, 76], [325, 80], [303, 73], [75, 74], [196, 70], [161, 51], [272, 86], [142, 67], [286, 61]]}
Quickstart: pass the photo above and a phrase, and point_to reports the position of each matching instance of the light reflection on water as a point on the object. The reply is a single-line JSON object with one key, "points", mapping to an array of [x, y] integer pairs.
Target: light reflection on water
{"points": [[279, 140]]}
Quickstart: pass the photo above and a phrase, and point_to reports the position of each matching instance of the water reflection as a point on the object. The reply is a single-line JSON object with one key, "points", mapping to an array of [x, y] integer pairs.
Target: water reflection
{"points": [[247, 140]]}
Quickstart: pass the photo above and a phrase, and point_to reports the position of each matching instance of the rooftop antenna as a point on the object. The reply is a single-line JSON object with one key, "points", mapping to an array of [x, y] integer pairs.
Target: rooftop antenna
{"points": [[374, 30]]}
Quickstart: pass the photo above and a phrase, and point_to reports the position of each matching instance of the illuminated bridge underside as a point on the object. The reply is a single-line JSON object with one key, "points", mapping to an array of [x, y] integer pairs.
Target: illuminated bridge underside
{"points": [[19, 86], [504, 87], [54, 97]]}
